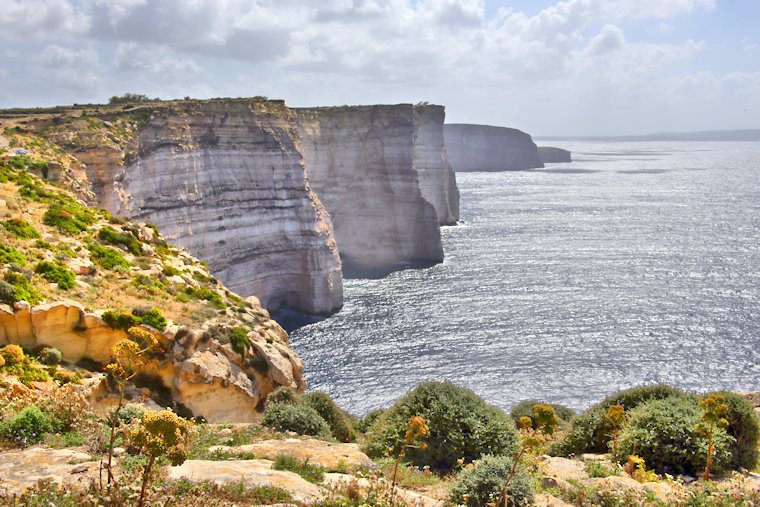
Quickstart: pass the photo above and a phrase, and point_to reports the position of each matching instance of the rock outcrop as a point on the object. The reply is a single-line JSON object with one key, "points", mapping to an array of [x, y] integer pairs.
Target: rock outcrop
{"points": [[361, 162], [225, 180], [487, 148], [551, 155], [208, 377]]}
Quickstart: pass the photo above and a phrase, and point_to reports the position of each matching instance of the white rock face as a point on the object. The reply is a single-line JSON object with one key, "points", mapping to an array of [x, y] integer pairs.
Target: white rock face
{"points": [[225, 180], [437, 180], [486, 148], [360, 162]]}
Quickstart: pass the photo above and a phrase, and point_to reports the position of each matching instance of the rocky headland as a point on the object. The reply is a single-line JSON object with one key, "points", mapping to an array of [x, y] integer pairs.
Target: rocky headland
{"points": [[488, 148], [552, 155]]}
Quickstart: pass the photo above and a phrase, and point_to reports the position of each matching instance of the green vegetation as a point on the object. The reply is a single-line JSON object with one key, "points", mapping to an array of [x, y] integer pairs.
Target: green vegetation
{"points": [[107, 257], [9, 255], [481, 484], [207, 294], [27, 427], [299, 418], [56, 272], [111, 236], [283, 394], [590, 431], [122, 320], [525, 409], [148, 284], [309, 471], [16, 287], [21, 228], [664, 433], [71, 218], [368, 420], [50, 356], [239, 340], [744, 427], [462, 427], [339, 422], [154, 318]]}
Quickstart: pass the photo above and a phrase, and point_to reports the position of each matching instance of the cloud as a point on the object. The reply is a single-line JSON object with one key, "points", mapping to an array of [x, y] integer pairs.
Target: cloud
{"points": [[41, 19], [73, 69], [132, 57]]}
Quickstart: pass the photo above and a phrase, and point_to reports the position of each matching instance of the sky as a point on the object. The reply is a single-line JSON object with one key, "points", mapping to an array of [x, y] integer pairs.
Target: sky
{"points": [[572, 67]]}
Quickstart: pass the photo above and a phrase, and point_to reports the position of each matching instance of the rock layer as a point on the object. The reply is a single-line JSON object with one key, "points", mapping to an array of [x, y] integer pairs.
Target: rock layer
{"points": [[487, 148], [206, 376], [361, 162], [225, 179]]}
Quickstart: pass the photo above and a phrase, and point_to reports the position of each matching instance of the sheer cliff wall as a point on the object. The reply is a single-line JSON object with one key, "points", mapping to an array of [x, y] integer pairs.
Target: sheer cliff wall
{"points": [[361, 162], [487, 148]]}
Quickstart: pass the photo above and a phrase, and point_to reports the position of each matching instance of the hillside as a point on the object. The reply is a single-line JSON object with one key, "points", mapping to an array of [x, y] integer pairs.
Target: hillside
{"points": [[78, 278]]}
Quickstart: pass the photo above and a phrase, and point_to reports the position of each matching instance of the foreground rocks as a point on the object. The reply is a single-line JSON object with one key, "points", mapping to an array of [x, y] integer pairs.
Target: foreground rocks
{"points": [[22, 469]]}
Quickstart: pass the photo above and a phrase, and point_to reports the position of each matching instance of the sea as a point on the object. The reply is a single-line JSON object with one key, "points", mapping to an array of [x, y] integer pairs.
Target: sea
{"points": [[637, 263]]}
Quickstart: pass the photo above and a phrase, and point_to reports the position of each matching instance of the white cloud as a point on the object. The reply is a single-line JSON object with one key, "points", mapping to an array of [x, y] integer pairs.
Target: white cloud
{"points": [[41, 19], [73, 69], [133, 57]]}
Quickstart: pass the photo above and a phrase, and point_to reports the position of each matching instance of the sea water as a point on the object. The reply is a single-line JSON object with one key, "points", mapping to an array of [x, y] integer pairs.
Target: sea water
{"points": [[637, 263]]}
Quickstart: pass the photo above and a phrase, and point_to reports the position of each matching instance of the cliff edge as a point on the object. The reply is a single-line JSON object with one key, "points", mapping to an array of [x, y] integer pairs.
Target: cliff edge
{"points": [[487, 148]]}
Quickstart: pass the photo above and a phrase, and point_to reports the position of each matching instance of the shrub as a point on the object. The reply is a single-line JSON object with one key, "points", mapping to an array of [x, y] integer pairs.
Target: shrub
{"points": [[209, 295], [590, 431], [309, 471], [239, 340], [170, 271], [69, 218], [340, 424], [148, 284], [21, 228], [525, 408], [283, 394], [9, 255], [107, 257], [368, 420], [121, 320], [27, 427], [154, 318], [113, 237], [51, 356], [56, 272], [481, 484], [664, 433], [13, 354], [302, 419], [744, 427], [19, 289], [129, 413], [462, 427]]}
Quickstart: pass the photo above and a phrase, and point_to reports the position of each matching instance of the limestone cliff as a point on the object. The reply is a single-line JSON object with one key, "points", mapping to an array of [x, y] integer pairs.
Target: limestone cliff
{"points": [[487, 148], [437, 180], [361, 162], [226, 180], [551, 155]]}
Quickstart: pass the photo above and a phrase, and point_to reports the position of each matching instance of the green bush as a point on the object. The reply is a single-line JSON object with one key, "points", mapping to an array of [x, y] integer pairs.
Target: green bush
{"points": [[744, 427], [302, 419], [129, 412], [309, 471], [462, 427], [27, 427], [56, 272], [154, 318], [9, 255], [239, 340], [51, 356], [339, 422], [283, 394], [18, 288], [590, 431], [481, 484], [664, 433], [21, 228], [70, 218], [170, 271], [13, 354], [107, 257], [368, 420], [113, 237], [121, 320], [149, 284], [525, 409]]}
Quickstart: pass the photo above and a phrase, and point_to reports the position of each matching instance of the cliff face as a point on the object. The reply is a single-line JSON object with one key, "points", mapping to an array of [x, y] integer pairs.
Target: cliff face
{"points": [[551, 155], [361, 162], [437, 181], [486, 148], [226, 180]]}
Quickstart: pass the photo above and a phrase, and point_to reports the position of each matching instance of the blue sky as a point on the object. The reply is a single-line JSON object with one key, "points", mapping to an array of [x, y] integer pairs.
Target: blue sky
{"points": [[571, 67]]}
